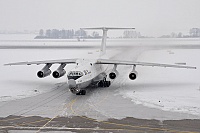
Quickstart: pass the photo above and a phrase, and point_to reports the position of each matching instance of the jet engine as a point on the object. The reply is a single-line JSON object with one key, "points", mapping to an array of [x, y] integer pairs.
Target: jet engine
{"points": [[114, 73], [59, 72], [45, 71], [133, 75]]}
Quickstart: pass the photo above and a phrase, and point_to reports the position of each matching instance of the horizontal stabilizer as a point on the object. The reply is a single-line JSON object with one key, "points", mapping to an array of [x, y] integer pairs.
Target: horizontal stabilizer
{"points": [[104, 37], [106, 28]]}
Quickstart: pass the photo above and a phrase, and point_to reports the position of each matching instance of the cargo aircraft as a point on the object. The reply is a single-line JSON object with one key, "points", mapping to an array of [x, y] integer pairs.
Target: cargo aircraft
{"points": [[92, 71]]}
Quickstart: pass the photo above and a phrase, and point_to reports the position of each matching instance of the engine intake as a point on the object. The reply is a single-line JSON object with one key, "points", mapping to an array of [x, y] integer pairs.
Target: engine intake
{"points": [[42, 73], [45, 71], [59, 72], [133, 75], [113, 74]]}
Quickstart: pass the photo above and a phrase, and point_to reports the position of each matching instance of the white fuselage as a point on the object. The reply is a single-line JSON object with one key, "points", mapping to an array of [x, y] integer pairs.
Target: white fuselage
{"points": [[85, 72]]}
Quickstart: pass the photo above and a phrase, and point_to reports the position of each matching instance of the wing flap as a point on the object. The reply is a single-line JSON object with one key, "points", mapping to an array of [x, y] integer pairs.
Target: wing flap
{"points": [[66, 61], [119, 62]]}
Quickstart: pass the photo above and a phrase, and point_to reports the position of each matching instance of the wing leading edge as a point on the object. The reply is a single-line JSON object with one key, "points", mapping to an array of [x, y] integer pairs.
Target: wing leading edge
{"points": [[64, 61], [119, 62], [100, 61]]}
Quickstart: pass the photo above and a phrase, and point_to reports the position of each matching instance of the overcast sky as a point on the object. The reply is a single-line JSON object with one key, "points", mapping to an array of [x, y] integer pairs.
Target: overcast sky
{"points": [[150, 17]]}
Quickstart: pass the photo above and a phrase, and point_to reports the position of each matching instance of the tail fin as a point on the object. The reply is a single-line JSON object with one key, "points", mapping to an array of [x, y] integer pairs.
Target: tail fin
{"points": [[103, 42]]}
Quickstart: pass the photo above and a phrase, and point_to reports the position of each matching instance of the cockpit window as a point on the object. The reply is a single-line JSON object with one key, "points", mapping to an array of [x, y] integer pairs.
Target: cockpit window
{"points": [[74, 75]]}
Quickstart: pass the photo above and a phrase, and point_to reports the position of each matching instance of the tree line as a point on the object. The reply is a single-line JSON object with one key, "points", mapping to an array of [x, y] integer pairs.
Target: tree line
{"points": [[65, 34]]}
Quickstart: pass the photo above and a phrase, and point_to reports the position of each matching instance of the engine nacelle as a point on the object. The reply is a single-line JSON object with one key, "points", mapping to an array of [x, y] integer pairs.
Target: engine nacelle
{"points": [[133, 75], [113, 74], [44, 73], [58, 73]]}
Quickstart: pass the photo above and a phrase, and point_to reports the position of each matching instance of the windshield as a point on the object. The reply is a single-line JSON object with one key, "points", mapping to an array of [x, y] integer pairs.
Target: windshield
{"points": [[74, 75]]}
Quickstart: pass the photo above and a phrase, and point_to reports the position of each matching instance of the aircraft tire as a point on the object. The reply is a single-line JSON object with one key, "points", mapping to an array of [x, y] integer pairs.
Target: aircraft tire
{"points": [[104, 84], [100, 84], [107, 83], [82, 92]]}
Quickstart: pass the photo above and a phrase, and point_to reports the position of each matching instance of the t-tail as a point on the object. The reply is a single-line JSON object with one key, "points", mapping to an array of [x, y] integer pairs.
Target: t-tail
{"points": [[104, 37]]}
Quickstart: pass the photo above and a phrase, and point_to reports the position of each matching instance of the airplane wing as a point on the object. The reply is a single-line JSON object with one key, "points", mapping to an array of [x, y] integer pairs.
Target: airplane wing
{"points": [[119, 62], [64, 61]]}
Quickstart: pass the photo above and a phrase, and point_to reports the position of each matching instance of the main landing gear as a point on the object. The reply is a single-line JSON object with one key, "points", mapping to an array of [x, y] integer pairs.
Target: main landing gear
{"points": [[101, 83], [104, 83]]}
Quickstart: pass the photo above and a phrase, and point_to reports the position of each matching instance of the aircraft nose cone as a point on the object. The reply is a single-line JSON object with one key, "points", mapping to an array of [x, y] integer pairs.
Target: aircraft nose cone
{"points": [[72, 83]]}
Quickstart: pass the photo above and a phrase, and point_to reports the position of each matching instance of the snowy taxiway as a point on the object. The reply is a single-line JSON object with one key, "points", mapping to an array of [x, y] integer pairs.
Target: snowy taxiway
{"points": [[157, 93]]}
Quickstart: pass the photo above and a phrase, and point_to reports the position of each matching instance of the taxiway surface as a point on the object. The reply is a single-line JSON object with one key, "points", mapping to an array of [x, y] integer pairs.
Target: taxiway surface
{"points": [[52, 98]]}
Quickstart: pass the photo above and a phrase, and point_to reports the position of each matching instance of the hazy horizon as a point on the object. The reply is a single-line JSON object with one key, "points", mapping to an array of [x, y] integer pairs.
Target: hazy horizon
{"points": [[151, 18]]}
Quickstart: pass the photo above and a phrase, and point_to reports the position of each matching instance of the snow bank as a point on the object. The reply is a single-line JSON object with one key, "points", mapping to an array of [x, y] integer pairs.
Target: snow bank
{"points": [[168, 89]]}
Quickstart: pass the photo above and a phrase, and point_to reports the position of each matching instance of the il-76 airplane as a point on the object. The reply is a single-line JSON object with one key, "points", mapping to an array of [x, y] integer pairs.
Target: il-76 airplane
{"points": [[91, 71]]}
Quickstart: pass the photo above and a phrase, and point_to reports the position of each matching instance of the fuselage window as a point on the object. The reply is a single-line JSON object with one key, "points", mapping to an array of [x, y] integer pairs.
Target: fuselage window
{"points": [[74, 75]]}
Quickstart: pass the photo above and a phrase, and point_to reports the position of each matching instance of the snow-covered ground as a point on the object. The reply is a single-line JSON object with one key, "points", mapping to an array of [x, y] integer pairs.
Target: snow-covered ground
{"points": [[167, 89], [18, 82], [163, 88], [21, 81]]}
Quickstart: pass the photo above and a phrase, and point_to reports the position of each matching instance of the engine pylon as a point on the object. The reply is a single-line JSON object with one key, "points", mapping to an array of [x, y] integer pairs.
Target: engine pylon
{"points": [[133, 74], [114, 73]]}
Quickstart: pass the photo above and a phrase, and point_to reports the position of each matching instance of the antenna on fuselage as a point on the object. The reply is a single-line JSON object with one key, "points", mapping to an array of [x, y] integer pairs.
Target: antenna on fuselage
{"points": [[104, 37]]}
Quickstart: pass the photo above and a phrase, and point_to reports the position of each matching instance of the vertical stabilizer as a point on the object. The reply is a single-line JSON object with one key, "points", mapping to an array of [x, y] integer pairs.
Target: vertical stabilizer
{"points": [[104, 37], [103, 43]]}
